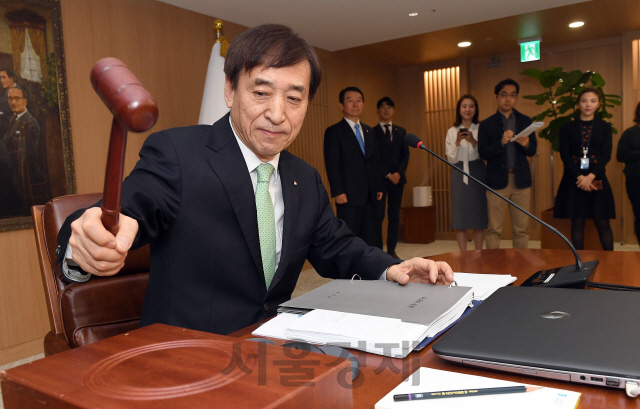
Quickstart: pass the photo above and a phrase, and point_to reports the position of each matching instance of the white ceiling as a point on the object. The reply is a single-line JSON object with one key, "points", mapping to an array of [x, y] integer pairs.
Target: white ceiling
{"points": [[338, 24]]}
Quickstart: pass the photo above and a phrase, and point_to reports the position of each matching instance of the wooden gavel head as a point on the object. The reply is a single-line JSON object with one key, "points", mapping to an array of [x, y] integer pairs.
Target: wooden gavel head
{"points": [[134, 109], [131, 104]]}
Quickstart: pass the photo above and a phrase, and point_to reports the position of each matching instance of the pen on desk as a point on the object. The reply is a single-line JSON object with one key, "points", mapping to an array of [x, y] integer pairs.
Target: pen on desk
{"points": [[464, 392]]}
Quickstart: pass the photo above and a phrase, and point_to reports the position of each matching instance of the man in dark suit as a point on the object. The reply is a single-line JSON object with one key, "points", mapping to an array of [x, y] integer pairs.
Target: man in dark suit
{"points": [[507, 165], [229, 214], [8, 81], [22, 141], [353, 167], [394, 156]]}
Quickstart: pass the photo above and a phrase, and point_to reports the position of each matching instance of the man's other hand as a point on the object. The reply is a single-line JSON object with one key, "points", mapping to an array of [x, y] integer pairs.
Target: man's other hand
{"points": [[341, 199], [507, 136], [420, 270], [97, 250]]}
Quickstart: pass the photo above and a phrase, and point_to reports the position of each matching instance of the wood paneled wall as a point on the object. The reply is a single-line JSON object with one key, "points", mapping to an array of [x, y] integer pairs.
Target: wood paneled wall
{"points": [[442, 91], [168, 49]]}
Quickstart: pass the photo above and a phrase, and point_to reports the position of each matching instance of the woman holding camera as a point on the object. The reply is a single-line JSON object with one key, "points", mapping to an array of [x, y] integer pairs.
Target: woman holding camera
{"points": [[584, 191], [468, 199]]}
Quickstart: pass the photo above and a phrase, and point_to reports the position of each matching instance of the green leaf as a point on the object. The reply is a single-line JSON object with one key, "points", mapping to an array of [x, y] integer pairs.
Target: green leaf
{"points": [[586, 77], [567, 98], [548, 79], [613, 101], [574, 77], [597, 80], [563, 89], [613, 96], [532, 72]]}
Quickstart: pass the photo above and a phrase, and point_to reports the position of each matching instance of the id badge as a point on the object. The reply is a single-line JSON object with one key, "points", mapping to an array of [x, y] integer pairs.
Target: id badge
{"points": [[584, 163]]}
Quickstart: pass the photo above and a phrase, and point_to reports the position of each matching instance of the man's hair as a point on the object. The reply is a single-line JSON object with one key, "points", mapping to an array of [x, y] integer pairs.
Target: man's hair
{"points": [[10, 73], [504, 83], [270, 46], [344, 91], [24, 93], [459, 117], [388, 100]]}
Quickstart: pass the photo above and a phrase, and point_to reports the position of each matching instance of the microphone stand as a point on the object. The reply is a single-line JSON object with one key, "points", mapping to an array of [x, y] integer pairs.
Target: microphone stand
{"points": [[573, 276]]}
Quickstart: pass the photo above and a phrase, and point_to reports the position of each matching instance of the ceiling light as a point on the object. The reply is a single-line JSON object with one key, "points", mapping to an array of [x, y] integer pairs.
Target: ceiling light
{"points": [[464, 44], [413, 14], [576, 24]]}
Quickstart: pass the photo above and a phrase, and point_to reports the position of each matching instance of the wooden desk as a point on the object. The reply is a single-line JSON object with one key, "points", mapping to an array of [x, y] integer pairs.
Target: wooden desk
{"points": [[379, 375]]}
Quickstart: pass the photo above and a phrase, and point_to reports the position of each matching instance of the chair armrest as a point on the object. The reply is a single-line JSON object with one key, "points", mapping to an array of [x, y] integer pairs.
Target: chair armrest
{"points": [[54, 343]]}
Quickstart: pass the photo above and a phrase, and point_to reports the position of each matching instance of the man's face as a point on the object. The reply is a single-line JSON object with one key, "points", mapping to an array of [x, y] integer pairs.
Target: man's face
{"points": [[17, 102], [385, 112], [268, 107], [7, 82], [353, 105], [507, 98]]}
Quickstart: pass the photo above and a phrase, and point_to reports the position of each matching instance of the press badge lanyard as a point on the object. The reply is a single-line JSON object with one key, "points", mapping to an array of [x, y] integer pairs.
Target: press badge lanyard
{"points": [[584, 161]]}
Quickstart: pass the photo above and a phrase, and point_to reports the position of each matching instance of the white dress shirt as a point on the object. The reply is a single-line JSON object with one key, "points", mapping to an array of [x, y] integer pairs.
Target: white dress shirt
{"points": [[275, 188], [353, 127], [464, 153], [384, 129]]}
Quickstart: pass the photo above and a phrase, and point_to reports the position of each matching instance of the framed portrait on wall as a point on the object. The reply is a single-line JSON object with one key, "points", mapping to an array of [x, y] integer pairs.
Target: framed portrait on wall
{"points": [[36, 155]]}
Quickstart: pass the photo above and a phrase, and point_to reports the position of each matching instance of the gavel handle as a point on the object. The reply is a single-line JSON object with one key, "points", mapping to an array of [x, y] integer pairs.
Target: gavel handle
{"points": [[113, 176]]}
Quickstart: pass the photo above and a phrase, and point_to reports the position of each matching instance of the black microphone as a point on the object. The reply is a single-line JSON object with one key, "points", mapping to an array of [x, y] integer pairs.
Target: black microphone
{"points": [[573, 276]]}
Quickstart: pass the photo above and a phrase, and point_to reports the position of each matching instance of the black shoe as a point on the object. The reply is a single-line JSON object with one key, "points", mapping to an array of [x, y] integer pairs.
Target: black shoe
{"points": [[393, 254]]}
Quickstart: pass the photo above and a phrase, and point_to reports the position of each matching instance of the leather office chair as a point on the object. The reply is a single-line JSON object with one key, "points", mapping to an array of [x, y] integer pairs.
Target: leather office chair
{"points": [[80, 314]]}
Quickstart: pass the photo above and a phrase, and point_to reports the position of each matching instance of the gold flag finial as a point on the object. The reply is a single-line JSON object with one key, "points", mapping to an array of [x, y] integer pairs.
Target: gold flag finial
{"points": [[217, 24]]}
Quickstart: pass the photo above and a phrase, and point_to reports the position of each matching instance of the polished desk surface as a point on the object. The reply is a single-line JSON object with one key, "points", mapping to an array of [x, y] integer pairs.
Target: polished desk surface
{"points": [[379, 375]]}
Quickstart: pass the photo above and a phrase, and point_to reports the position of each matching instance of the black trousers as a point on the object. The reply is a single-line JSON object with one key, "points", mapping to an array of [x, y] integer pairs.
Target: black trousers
{"points": [[363, 221], [394, 198], [633, 190]]}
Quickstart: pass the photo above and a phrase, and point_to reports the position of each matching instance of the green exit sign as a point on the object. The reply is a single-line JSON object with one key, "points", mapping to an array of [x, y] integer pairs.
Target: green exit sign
{"points": [[530, 51]]}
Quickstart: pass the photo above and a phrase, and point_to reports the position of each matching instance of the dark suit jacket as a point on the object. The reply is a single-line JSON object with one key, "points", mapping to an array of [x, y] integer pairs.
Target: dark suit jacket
{"points": [[348, 170], [22, 141], [394, 158], [194, 202], [492, 150]]}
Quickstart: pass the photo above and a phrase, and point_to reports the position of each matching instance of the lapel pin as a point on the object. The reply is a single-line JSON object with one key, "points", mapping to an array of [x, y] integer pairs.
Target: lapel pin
{"points": [[295, 183]]}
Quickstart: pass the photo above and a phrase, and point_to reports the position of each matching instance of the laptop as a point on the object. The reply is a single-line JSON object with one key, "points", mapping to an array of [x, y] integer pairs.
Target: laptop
{"points": [[582, 336]]}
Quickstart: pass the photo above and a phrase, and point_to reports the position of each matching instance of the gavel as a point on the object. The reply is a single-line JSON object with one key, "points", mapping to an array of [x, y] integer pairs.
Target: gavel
{"points": [[134, 109]]}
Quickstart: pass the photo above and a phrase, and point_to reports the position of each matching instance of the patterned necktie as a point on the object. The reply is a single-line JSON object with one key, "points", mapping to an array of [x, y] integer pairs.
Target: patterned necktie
{"points": [[388, 133], [266, 222], [360, 138]]}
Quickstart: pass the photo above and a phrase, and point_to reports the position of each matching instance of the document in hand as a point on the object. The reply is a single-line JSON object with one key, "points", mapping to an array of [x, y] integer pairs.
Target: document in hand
{"points": [[528, 130], [433, 380], [376, 316]]}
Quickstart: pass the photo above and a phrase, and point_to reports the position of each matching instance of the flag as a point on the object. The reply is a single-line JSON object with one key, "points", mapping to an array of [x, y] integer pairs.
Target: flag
{"points": [[213, 106]]}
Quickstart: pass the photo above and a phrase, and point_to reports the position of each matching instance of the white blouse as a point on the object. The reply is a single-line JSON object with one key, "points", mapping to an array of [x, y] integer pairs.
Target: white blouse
{"points": [[464, 153]]}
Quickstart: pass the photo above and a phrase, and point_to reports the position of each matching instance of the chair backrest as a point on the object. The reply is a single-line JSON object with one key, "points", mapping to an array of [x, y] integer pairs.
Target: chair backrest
{"points": [[104, 306]]}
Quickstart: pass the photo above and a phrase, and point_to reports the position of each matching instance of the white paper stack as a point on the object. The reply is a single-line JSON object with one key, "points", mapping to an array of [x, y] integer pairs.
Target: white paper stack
{"points": [[377, 335], [483, 285]]}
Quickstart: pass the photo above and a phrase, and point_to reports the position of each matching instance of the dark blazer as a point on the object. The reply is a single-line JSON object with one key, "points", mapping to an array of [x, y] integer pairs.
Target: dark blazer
{"points": [[194, 202], [22, 141], [348, 170], [395, 157], [492, 150]]}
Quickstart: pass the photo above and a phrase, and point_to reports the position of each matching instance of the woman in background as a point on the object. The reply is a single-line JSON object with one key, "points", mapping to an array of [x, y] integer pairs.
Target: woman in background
{"points": [[584, 192], [629, 154], [468, 199]]}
